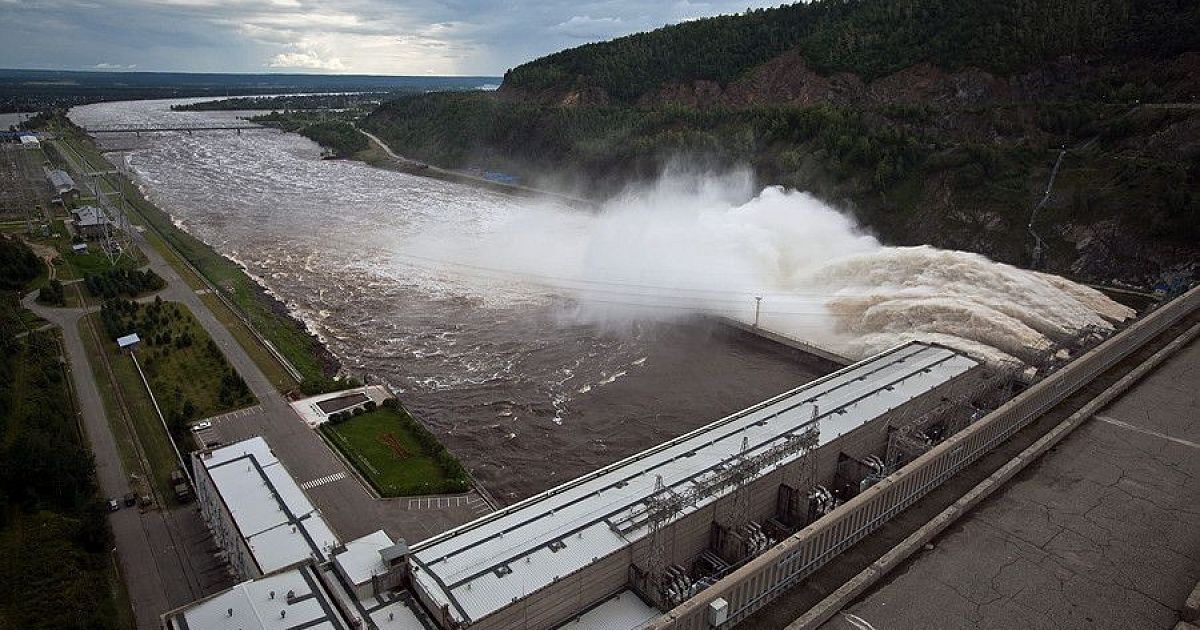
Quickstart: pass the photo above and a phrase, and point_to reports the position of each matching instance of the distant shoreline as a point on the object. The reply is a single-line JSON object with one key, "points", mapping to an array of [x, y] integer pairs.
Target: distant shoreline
{"points": [[396, 162]]}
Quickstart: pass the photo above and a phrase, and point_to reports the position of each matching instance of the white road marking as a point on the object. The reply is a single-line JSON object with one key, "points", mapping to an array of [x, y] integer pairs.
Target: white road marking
{"points": [[441, 503], [320, 481], [1131, 427], [858, 622]]}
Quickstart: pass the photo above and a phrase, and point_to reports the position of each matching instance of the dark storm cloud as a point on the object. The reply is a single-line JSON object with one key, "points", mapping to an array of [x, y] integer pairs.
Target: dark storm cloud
{"points": [[368, 36]]}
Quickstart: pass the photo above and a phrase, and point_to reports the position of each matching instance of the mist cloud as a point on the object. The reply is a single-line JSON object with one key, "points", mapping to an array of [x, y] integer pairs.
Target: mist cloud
{"points": [[711, 244]]}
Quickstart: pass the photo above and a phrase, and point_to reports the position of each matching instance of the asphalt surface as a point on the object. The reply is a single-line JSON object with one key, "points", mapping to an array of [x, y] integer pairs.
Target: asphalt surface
{"points": [[1103, 532], [166, 558]]}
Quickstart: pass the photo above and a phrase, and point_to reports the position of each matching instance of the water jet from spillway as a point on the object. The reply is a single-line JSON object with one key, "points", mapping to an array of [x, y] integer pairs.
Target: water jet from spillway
{"points": [[707, 245]]}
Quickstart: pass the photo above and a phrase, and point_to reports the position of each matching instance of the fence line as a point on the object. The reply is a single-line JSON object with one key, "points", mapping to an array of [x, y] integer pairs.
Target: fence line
{"points": [[762, 579]]}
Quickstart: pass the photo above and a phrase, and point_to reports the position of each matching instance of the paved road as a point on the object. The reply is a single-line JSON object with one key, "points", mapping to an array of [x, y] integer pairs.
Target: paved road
{"points": [[1101, 533], [347, 505], [165, 557]]}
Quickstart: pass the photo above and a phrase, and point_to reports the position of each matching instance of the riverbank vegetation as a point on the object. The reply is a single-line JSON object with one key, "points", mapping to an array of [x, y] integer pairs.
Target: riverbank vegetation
{"points": [[333, 132], [394, 452], [289, 102]]}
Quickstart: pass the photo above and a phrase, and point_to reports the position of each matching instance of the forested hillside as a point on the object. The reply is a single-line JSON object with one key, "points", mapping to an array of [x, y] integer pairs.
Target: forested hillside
{"points": [[869, 38], [931, 121]]}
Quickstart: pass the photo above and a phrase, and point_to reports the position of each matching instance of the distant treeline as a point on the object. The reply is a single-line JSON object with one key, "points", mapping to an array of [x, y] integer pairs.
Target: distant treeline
{"points": [[54, 536], [289, 102], [38, 90], [870, 38]]}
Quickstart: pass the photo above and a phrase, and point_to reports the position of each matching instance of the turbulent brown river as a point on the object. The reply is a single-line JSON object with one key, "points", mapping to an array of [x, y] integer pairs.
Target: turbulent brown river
{"points": [[521, 388]]}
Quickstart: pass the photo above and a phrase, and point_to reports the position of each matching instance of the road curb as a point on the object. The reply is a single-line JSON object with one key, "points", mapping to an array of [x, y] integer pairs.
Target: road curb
{"points": [[867, 578]]}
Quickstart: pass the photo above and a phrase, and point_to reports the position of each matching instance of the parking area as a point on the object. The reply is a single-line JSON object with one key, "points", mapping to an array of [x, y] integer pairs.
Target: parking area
{"points": [[346, 503]]}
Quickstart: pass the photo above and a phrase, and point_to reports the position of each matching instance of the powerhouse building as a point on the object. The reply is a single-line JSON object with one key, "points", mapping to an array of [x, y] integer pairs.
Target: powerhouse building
{"points": [[705, 499], [612, 549]]}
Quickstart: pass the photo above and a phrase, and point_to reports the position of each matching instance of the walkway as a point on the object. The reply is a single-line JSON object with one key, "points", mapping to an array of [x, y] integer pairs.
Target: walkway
{"points": [[1101, 533]]}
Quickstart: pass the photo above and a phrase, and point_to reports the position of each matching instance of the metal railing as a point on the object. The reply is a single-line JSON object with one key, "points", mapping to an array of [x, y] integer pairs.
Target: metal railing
{"points": [[781, 567]]}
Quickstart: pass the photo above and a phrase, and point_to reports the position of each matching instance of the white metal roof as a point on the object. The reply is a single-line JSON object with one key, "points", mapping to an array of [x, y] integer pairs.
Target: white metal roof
{"points": [[487, 564], [127, 340], [398, 614], [276, 519], [262, 604], [622, 611], [361, 559]]}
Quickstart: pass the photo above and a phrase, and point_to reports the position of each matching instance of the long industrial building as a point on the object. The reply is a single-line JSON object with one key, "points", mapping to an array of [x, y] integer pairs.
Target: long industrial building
{"points": [[666, 521], [619, 546]]}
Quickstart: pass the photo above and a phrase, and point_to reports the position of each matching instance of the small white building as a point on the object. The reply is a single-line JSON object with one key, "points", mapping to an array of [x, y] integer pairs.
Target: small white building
{"points": [[30, 141], [128, 342], [316, 410], [257, 513]]}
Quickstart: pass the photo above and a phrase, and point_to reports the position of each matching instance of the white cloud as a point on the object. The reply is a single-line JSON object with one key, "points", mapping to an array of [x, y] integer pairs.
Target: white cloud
{"points": [[366, 36], [588, 27], [306, 61]]}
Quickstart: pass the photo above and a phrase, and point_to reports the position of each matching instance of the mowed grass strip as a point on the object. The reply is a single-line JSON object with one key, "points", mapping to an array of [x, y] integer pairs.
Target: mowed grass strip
{"points": [[288, 335], [384, 447]]}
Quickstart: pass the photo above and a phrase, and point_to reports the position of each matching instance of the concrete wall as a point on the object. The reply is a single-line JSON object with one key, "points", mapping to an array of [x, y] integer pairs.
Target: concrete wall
{"points": [[688, 536], [780, 568], [220, 522]]}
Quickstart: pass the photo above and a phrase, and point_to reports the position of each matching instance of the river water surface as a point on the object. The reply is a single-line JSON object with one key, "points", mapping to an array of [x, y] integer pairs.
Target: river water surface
{"points": [[526, 394]]}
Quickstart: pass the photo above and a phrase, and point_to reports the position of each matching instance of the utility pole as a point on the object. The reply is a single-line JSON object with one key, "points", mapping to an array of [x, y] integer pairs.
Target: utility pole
{"points": [[757, 308]]}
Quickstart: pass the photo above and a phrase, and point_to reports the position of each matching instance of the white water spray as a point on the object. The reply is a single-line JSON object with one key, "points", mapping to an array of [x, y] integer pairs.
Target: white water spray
{"points": [[692, 245]]}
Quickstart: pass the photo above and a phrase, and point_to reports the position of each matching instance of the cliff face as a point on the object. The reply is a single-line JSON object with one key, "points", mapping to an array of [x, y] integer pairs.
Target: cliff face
{"points": [[788, 80]]}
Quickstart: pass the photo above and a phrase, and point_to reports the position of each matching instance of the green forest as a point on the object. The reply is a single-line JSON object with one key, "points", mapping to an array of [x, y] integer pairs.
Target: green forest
{"points": [[54, 537], [870, 38]]}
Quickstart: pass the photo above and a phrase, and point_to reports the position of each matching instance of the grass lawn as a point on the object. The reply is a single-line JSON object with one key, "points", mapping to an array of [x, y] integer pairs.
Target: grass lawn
{"points": [[181, 362], [385, 446], [262, 357]]}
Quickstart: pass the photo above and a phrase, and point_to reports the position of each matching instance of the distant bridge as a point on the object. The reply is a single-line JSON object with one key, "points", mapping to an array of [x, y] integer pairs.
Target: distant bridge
{"points": [[148, 129]]}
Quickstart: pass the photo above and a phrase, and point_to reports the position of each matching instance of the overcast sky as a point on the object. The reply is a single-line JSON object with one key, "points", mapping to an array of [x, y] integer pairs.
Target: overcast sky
{"points": [[413, 37]]}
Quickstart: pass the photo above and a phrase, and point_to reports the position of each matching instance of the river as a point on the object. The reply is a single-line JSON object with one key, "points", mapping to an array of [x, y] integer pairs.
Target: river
{"points": [[518, 386]]}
